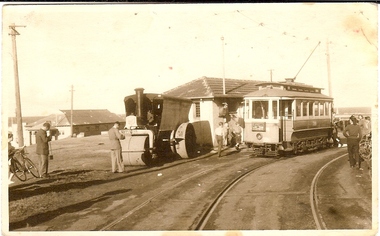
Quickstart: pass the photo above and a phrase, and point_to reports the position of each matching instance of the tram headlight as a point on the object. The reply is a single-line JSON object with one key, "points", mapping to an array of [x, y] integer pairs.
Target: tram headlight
{"points": [[259, 136]]}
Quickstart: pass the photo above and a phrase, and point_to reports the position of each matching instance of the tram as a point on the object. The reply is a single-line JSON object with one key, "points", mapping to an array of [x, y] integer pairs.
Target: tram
{"points": [[157, 126], [287, 117]]}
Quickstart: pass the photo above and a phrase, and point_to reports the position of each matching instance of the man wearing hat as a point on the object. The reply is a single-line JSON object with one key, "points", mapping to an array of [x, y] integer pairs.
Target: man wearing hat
{"points": [[116, 158], [42, 149]]}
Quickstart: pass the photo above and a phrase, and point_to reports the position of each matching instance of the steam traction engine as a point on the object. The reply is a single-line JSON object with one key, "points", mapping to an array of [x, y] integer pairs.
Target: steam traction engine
{"points": [[157, 126]]}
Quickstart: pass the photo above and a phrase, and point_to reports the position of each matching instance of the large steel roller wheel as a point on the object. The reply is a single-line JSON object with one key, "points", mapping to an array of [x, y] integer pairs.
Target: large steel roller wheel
{"points": [[135, 151], [186, 138]]}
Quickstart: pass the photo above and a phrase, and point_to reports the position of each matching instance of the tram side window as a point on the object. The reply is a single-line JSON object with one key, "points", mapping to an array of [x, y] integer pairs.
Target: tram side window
{"points": [[311, 108], [321, 108], [316, 109], [298, 107], [259, 109], [286, 108], [304, 108], [274, 109], [327, 108]]}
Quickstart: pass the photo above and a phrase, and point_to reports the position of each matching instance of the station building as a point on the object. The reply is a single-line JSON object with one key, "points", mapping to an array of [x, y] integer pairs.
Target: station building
{"points": [[214, 100]]}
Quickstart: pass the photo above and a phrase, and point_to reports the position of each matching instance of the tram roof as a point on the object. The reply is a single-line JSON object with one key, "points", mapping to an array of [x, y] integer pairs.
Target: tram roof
{"points": [[273, 92], [288, 83]]}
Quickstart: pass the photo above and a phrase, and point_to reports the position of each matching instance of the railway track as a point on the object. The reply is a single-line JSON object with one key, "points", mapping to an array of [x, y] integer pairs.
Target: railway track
{"points": [[210, 210], [210, 193], [214, 212], [148, 205], [318, 218], [205, 214]]}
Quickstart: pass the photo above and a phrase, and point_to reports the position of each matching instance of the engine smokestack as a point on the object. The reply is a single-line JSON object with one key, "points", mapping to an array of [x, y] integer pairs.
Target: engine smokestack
{"points": [[139, 101]]}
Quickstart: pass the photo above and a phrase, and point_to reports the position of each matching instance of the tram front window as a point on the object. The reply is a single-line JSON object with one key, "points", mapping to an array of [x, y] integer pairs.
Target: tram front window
{"points": [[260, 109]]}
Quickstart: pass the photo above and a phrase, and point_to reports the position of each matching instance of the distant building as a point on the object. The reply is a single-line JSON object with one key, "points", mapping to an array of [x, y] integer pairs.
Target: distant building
{"points": [[211, 105], [85, 123], [365, 111], [12, 127]]}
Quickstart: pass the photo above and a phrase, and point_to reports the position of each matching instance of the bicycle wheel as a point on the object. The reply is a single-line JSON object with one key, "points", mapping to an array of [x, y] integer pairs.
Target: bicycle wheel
{"points": [[365, 150], [18, 170], [31, 167]]}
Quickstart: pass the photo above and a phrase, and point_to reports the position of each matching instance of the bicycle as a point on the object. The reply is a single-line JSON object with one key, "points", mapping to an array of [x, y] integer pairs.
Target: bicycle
{"points": [[365, 150], [20, 169]]}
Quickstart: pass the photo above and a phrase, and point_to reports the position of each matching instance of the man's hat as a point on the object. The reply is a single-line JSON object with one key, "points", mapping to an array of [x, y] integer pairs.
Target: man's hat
{"points": [[117, 122]]}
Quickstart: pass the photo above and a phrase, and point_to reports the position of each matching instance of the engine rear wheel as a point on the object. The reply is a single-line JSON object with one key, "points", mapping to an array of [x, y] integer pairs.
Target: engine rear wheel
{"points": [[187, 146]]}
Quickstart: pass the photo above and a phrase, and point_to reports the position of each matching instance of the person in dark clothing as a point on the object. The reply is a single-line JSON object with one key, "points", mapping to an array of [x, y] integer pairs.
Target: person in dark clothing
{"points": [[117, 164], [42, 149], [11, 152], [353, 134]]}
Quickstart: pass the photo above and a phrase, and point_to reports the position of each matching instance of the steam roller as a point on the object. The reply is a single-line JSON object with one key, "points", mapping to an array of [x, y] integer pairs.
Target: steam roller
{"points": [[156, 126]]}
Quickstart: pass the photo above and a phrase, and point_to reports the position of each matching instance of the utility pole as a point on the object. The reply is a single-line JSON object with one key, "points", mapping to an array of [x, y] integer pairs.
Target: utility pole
{"points": [[328, 67], [271, 74], [71, 113], [224, 79], [20, 135]]}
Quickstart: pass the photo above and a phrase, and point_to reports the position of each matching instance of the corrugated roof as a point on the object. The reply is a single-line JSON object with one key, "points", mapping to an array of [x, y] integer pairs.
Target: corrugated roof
{"points": [[26, 119], [206, 87], [80, 117], [54, 120], [85, 117]]}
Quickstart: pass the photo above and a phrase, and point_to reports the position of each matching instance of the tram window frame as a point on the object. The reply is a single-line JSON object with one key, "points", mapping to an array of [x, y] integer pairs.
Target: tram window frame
{"points": [[305, 105], [298, 108], [275, 109], [311, 108], [321, 109], [327, 109], [282, 108], [264, 109], [316, 108]]}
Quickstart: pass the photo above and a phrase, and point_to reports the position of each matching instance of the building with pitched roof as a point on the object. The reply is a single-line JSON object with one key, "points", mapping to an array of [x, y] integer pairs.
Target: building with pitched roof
{"points": [[212, 103], [85, 123]]}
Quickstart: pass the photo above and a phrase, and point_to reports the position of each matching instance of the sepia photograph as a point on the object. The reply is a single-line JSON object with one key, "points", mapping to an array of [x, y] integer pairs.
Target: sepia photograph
{"points": [[189, 119]]}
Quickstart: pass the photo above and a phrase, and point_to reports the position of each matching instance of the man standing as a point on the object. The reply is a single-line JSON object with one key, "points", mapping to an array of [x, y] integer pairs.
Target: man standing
{"points": [[219, 134], [353, 134], [237, 132], [116, 158], [42, 150]]}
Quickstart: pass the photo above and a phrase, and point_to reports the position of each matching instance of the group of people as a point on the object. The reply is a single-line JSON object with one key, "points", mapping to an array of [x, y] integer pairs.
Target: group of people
{"points": [[43, 137], [227, 134], [357, 129]]}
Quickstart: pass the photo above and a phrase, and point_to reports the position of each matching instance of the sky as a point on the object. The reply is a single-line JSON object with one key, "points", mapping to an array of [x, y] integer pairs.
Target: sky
{"points": [[106, 51]]}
